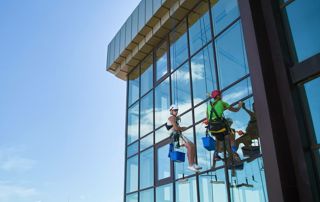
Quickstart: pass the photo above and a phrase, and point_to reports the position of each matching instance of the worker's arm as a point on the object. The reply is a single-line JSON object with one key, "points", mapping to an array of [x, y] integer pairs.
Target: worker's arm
{"points": [[236, 109]]}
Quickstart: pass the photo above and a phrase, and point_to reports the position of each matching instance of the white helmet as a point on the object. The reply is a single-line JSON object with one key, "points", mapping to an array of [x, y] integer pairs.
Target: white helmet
{"points": [[173, 107]]}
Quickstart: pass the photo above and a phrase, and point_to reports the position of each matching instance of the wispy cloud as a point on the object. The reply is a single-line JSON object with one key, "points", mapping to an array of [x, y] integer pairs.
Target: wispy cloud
{"points": [[11, 160], [10, 192], [197, 70], [236, 95]]}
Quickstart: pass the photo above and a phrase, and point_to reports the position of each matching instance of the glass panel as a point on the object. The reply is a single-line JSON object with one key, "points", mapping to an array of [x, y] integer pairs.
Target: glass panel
{"points": [[164, 170], [146, 142], [231, 56], [223, 13], [135, 22], [148, 10], [313, 95], [146, 168], [142, 14], [132, 149], [179, 45], [181, 169], [199, 27], [212, 187], [128, 31], [146, 114], [200, 112], [132, 198], [156, 5], [181, 94], [249, 183], [161, 64], [238, 91], [303, 19], [162, 134], [108, 55], [117, 44], [165, 193], [147, 196], [133, 123], [132, 174], [133, 86], [162, 103], [203, 74], [244, 125], [112, 51], [186, 119], [123, 37], [186, 191], [146, 75]]}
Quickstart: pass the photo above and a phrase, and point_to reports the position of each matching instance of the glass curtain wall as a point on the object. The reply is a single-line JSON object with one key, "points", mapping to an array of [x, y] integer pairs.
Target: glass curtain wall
{"points": [[303, 28], [205, 51]]}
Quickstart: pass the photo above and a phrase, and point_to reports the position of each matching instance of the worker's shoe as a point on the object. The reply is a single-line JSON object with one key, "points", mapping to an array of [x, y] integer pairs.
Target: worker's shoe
{"points": [[197, 167], [192, 168]]}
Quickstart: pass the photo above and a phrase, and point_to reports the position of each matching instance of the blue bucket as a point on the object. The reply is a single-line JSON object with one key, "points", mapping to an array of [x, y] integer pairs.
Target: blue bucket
{"points": [[177, 156], [209, 143]]}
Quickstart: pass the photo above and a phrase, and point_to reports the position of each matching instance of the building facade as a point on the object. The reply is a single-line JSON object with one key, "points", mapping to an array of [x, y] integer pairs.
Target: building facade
{"points": [[261, 52]]}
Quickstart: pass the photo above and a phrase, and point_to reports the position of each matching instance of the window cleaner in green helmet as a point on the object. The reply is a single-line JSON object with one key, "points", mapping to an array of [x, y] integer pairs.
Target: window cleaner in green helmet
{"points": [[214, 112], [176, 133]]}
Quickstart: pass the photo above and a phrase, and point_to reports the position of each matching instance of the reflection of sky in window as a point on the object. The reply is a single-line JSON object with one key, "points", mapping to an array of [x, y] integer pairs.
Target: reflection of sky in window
{"points": [[178, 48], [133, 123], [199, 33], [146, 196], [132, 149], [313, 95], [165, 193], [133, 90], [132, 198], [132, 174], [146, 114], [251, 170], [146, 168], [146, 80], [161, 66], [161, 134], [146, 142], [231, 56], [181, 94], [200, 112], [163, 163], [303, 17], [238, 91], [210, 191], [187, 192], [186, 120], [223, 13], [203, 74], [162, 103]]}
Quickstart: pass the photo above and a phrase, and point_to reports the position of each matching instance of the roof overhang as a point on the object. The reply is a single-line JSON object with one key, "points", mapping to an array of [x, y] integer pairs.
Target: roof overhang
{"points": [[167, 16]]}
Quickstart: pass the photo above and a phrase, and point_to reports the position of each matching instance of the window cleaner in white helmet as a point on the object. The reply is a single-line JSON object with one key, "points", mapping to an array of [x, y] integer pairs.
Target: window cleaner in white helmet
{"points": [[176, 133]]}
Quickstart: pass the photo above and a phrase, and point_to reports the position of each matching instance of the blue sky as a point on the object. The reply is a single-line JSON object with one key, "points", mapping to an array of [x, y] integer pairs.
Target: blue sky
{"points": [[62, 115]]}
